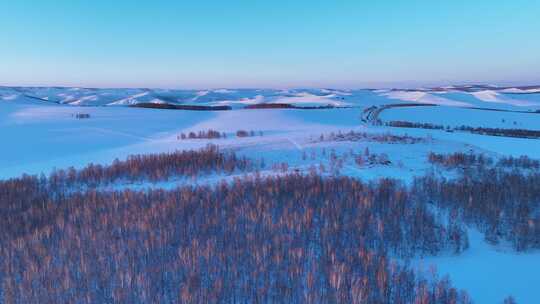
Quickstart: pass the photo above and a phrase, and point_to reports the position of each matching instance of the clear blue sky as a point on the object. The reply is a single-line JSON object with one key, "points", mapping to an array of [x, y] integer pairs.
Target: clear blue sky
{"points": [[302, 43]]}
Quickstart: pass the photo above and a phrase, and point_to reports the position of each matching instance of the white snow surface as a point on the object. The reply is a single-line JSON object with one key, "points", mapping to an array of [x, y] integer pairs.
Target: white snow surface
{"points": [[492, 96], [503, 270]]}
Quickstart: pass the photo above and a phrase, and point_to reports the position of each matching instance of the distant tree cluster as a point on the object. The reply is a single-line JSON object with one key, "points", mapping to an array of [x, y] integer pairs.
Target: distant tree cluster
{"points": [[244, 133], [209, 134], [521, 133], [336, 162], [213, 134], [408, 124], [82, 115], [371, 159], [459, 159], [362, 136], [293, 239]]}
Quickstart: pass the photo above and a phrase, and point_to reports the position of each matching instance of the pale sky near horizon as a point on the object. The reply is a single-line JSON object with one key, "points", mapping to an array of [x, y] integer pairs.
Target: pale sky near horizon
{"points": [[234, 43]]}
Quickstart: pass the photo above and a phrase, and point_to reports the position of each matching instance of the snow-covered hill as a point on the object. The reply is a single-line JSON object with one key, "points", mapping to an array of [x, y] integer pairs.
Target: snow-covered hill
{"points": [[523, 98]]}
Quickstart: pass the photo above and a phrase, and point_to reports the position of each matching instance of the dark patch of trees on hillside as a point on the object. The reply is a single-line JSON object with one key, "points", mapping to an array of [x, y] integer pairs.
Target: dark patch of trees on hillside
{"points": [[408, 124], [459, 160], [289, 239], [269, 106], [520, 133], [245, 133], [82, 116], [168, 106]]}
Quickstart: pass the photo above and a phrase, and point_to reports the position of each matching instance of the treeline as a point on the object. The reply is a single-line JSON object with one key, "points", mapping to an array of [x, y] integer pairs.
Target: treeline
{"points": [[288, 106], [168, 106], [418, 125], [466, 160], [290, 239], [152, 168], [520, 133]]}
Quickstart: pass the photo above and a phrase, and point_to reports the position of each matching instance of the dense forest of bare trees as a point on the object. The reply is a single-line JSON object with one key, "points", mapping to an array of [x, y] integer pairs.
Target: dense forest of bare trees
{"points": [[494, 196], [291, 238], [503, 205]]}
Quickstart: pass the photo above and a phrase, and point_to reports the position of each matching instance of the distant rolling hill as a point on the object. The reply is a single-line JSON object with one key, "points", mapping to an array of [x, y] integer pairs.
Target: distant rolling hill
{"points": [[525, 98]]}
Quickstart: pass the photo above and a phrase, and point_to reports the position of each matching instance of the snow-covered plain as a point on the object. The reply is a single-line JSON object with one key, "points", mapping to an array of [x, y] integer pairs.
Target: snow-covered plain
{"points": [[40, 132]]}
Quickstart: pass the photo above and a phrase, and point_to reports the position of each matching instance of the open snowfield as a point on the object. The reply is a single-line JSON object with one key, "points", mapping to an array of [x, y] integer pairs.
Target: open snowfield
{"points": [[46, 136], [41, 135], [505, 271]]}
